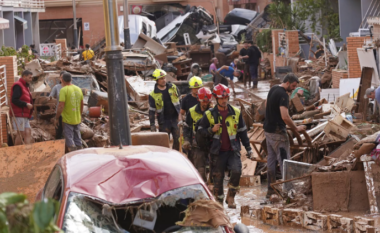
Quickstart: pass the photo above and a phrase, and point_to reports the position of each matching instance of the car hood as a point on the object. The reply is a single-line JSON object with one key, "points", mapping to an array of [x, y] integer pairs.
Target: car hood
{"points": [[123, 175]]}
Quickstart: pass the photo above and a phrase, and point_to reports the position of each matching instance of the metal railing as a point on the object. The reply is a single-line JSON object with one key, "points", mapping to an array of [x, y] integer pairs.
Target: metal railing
{"points": [[3, 86], [34, 4]]}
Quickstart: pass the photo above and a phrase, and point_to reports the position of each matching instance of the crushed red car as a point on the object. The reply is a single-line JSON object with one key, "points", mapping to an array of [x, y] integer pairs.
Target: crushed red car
{"points": [[133, 189]]}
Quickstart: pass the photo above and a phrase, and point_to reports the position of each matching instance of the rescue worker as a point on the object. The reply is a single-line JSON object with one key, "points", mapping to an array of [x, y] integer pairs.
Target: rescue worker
{"points": [[88, 54], [190, 100], [164, 100], [224, 123], [199, 153]]}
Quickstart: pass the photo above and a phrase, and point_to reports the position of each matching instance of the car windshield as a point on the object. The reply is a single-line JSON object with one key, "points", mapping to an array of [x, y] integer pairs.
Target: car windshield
{"points": [[89, 215]]}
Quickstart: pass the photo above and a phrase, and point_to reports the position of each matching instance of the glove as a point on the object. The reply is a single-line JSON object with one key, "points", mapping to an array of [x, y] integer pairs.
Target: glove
{"points": [[153, 128], [249, 154], [186, 145]]}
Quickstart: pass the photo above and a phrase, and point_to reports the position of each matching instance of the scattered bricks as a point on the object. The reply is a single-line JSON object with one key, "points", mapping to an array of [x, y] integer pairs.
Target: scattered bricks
{"points": [[272, 216], [257, 213], [250, 181], [297, 104], [292, 217], [244, 211], [315, 221], [362, 224], [338, 223]]}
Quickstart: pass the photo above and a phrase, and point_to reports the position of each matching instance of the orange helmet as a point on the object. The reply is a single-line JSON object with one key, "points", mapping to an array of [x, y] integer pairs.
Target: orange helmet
{"points": [[204, 94], [221, 91]]}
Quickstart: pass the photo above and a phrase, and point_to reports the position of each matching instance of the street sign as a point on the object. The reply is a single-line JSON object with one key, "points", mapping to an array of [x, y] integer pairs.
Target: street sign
{"points": [[86, 26]]}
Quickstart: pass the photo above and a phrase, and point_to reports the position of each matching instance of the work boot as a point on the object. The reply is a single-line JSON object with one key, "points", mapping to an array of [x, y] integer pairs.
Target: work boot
{"points": [[71, 148], [230, 200]]}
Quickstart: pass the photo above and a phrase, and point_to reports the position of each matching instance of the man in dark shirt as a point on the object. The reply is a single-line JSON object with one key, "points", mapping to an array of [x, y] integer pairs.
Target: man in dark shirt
{"points": [[244, 56], [164, 101], [190, 100], [276, 119], [254, 62]]}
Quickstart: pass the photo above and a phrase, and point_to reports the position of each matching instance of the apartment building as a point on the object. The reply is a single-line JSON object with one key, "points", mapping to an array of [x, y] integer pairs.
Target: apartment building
{"points": [[19, 22]]}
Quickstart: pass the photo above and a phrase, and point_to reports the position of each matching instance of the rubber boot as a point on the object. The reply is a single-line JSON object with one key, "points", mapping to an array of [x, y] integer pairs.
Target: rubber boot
{"points": [[230, 200]]}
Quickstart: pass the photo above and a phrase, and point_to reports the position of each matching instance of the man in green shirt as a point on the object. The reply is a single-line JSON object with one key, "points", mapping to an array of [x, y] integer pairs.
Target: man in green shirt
{"points": [[71, 108]]}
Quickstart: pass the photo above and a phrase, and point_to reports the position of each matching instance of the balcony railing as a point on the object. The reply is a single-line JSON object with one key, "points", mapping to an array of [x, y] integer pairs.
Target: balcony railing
{"points": [[35, 4]]}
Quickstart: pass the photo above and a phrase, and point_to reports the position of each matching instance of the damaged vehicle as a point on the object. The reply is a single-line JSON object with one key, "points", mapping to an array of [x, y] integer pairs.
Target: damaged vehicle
{"points": [[190, 23], [130, 189], [137, 24]]}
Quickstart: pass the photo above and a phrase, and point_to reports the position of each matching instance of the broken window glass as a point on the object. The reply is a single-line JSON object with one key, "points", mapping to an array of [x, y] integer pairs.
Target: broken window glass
{"points": [[90, 215]]}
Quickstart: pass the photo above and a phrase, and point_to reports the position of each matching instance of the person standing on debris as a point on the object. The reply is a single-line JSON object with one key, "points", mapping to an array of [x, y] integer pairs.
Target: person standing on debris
{"points": [[22, 106], [224, 124], [190, 100], [227, 72], [374, 94], [254, 62], [277, 117], [199, 153], [164, 100], [34, 51], [214, 65], [243, 55], [88, 54], [55, 94], [71, 108], [194, 71]]}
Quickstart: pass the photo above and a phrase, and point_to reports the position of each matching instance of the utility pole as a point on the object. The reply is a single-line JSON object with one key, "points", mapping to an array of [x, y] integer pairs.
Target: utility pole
{"points": [[127, 37], [75, 25], [117, 93]]}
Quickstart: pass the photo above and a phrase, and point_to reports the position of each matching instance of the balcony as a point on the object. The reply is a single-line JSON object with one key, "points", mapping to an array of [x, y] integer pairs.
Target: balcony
{"points": [[28, 4]]}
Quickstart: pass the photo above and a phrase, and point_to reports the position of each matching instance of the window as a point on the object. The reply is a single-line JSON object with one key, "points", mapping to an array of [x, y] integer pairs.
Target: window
{"points": [[54, 185], [144, 29]]}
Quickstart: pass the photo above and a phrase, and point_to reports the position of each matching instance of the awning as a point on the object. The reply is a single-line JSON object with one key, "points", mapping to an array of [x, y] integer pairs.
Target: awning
{"points": [[4, 23], [23, 21]]}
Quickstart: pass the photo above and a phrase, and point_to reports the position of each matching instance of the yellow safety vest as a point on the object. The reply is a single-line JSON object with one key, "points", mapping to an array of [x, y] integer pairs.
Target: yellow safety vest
{"points": [[232, 125], [160, 103], [195, 115], [88, 54]]}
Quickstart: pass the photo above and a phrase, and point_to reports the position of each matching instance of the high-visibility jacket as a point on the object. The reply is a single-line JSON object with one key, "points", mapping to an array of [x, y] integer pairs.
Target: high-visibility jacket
{"points": [[88, 54], [237, 130], [25, 97], [156, 103], [192, 117]]}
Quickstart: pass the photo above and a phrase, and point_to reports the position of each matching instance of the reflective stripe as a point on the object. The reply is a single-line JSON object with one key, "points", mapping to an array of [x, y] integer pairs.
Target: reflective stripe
{"points": [[159, 110], [232, 137], [152, 109], [176, 103], [242, 129], [216, 136], [200, 127]]}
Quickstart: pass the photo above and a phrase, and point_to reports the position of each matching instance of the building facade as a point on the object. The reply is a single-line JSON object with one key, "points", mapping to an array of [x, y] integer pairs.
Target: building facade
{"points": [[19, 24], [57, 21]]}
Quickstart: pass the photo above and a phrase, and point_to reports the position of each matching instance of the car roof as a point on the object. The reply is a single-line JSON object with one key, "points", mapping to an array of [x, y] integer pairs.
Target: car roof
{"points": [[129, 174]]}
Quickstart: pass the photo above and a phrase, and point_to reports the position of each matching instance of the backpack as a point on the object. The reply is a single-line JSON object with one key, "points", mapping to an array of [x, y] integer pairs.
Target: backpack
{"points": [[205, 142]]}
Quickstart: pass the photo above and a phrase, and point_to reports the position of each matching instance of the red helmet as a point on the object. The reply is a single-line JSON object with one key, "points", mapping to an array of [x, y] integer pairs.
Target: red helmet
{"points": [[221, 91], [204, 94]]}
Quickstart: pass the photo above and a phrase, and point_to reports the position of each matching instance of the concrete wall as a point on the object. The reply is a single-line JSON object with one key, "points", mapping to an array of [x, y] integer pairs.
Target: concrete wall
{"points": [[349, 17], [9, 33], [36, 30], [29, 31]]}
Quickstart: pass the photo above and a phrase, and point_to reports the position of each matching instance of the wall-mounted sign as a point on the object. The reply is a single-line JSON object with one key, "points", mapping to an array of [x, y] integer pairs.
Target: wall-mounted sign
{"points": [[86, 26]]}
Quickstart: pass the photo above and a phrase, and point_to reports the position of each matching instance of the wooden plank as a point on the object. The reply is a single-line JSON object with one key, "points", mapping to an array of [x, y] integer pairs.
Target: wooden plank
{"points": [[365, 82]]}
